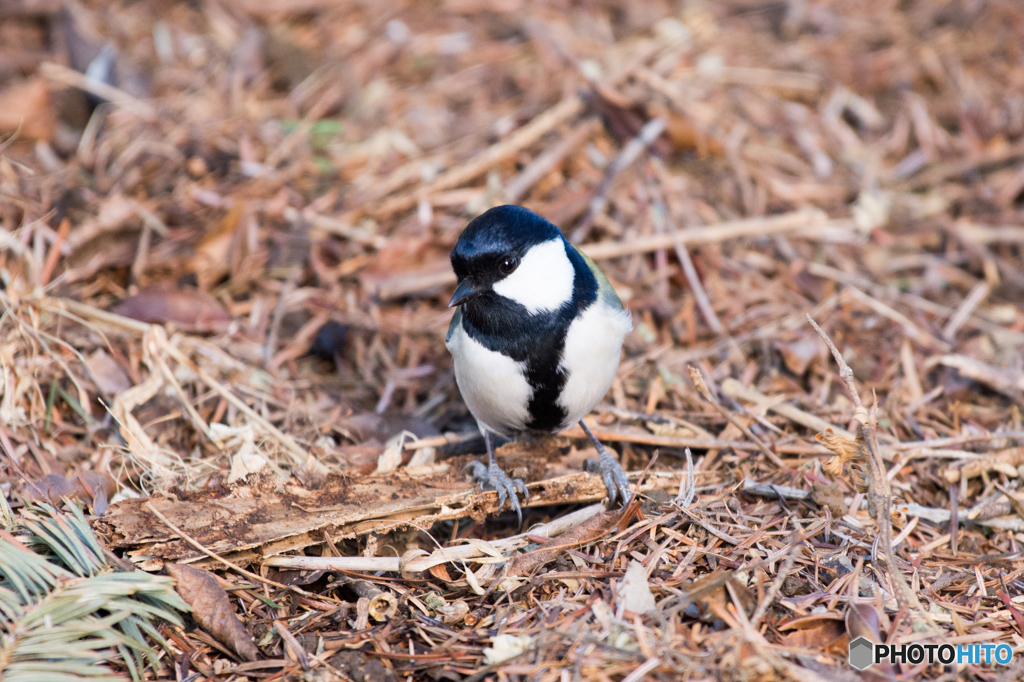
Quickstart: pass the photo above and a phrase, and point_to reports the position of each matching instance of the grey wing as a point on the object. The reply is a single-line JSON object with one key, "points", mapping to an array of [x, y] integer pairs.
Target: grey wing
{"points": [[455, 324]]}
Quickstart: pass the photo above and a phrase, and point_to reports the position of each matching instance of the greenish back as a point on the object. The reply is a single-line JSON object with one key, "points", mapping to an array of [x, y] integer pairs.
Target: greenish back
{"points": [[604, 287]]}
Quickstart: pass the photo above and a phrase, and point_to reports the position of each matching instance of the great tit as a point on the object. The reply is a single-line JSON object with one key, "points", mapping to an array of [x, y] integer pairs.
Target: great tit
{"points": [[536, 338]]}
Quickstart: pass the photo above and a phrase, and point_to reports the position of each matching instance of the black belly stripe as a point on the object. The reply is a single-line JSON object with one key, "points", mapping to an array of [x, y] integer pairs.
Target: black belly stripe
{"points": [[547, 379]]}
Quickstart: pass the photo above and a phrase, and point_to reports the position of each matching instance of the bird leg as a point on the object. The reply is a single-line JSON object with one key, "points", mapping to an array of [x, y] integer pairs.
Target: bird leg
{"points": [[491, 477], [611, 471]]}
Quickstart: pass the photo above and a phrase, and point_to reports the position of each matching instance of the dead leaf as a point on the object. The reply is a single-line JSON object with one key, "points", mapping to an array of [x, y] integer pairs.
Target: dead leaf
{"points": [[851, 451], [846, 449], [108, 249], [587, 531], [704, 605], [440, 572], [809, 621], [213, 253], [106, 373], [26, 107], [212, 609], [407, 265], [635, 593], [454, 612], [817, 632], [189, 309], [862, 621], [83, 485], [361, 458], [800, 353], [709, 595], [828, 495], [506, 647]]}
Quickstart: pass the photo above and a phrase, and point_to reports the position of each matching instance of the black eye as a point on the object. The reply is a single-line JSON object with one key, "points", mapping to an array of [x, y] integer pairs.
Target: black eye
{"points": [[508, 265]]}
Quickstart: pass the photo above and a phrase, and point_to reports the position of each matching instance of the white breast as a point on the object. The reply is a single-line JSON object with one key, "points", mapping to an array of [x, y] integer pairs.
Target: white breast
{"points": [[493, 385], [593, 345]]}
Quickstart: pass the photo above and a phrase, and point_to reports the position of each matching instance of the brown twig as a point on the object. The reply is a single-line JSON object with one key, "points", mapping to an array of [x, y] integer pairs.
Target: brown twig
{"points": [[700, 294], [879, 495], [494, 154], [518, 186], [54, 253], [734, 389], [773, 589], [629, 154]]}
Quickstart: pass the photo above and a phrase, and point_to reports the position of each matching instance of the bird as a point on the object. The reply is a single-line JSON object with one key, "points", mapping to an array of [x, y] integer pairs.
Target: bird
{"points": [[536, 339]]}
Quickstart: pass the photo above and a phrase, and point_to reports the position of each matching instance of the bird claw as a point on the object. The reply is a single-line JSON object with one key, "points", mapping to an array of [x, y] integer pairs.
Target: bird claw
{"points": [[493, 478], [612, 473]]}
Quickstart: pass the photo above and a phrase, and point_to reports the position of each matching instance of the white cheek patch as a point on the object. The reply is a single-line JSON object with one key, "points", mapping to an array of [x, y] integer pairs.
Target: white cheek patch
{"points": [[543, 281]]}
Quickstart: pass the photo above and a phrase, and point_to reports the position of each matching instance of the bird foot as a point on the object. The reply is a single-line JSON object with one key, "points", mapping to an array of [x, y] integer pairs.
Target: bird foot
{"points": [[612, 473], [493, 478]]}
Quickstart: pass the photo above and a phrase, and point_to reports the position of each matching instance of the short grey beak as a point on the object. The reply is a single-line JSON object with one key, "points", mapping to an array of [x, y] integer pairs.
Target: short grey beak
{"points": [[462, 292]]}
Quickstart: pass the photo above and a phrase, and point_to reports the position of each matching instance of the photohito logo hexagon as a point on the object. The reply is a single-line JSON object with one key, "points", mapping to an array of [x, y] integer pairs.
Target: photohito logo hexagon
{"points": [[861, 653]]}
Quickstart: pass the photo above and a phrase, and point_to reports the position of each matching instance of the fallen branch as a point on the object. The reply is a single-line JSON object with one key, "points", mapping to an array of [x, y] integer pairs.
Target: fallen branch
{"points": [[637, 437], [478, 548], [234, 567]]}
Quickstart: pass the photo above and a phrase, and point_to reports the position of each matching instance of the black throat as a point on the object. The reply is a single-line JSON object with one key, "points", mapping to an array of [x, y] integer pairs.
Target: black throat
{"points": [[505, 326]]}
